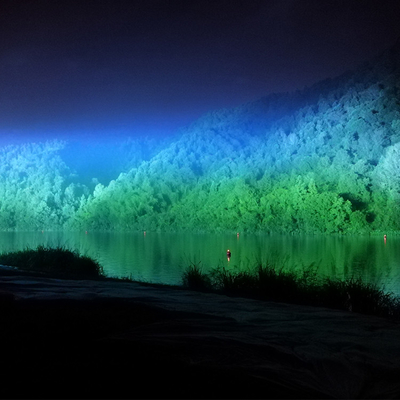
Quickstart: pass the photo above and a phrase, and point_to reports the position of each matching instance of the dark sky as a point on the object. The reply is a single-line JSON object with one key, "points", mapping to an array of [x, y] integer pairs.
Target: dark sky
{"points": [[128, 67]]}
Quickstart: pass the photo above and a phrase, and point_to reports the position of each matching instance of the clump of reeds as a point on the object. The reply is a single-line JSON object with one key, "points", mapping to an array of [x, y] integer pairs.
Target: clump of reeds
{"points": [[304, 287], [356, 295], [57, 261], [195, 279]]}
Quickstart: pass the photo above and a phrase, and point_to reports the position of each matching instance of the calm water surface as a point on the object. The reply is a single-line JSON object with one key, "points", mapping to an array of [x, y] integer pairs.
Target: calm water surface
{"points": [[162, 258]]}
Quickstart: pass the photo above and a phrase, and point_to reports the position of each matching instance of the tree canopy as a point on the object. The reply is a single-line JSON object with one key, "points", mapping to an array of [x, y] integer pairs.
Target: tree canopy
{"points": [[324, 160]]}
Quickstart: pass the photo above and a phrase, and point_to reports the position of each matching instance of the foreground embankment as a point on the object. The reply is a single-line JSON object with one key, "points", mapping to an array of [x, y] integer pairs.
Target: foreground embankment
{"points": [[90, 338]]}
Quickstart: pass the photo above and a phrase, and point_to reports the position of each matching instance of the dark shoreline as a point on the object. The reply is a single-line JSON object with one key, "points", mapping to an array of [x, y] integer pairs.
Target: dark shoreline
{"points": [[115, 339], [83, 349]]}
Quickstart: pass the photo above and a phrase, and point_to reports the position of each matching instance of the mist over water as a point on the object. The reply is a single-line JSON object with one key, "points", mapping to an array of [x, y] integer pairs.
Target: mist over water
{"points": [[162, 257]]}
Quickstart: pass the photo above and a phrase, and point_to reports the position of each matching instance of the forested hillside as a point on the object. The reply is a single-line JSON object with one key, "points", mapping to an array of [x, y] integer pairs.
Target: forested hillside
{"points": [[36, 188], [324, 160]]}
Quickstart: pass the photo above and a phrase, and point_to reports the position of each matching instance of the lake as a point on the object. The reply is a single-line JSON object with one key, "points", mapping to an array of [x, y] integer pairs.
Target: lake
{"points": [[162, 257]]}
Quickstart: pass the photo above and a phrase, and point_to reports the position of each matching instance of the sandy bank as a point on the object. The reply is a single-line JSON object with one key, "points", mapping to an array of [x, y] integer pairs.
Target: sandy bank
{"points": [[186, 344]]}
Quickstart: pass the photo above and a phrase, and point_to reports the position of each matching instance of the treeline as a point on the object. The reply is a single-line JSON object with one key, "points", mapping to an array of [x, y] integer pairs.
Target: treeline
{"points": [[36, 187], [325, 160]]}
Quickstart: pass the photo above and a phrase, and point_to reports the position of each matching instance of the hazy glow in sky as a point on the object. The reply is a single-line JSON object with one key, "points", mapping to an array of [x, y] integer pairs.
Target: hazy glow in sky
{"points": [[127, 67]]}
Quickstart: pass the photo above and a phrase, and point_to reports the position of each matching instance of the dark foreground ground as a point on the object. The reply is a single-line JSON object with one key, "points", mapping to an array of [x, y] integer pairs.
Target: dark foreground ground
{"points": [[77, 339], [83, 349]]}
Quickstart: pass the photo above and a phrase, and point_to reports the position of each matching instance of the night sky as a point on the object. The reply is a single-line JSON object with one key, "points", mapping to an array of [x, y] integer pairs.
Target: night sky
{"points": [[89, 68]]}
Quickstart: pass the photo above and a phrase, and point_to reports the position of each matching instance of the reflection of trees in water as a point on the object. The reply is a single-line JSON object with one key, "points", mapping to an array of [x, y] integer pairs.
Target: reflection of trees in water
{"points": [[162, 258]]}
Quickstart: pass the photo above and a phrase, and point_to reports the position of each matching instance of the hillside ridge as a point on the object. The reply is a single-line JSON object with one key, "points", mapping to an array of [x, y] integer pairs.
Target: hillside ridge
{"points": [[321, 160]]}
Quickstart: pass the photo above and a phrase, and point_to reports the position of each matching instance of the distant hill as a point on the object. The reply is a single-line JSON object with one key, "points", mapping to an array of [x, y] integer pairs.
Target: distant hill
{"points": [[322, 160]]}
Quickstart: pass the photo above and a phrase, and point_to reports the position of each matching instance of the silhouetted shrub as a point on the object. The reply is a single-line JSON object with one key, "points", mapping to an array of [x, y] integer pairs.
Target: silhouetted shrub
{"points": [[304, 287], [57, 261]]}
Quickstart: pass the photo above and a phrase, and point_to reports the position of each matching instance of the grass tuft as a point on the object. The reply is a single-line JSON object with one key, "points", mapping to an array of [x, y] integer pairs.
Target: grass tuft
{"points": [[58, 261], [235, 283], [193, 278], [269, 283]]}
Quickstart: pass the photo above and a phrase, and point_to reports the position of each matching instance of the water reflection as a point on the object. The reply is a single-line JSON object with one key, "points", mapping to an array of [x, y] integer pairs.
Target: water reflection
{"points": [[160, 257]]}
